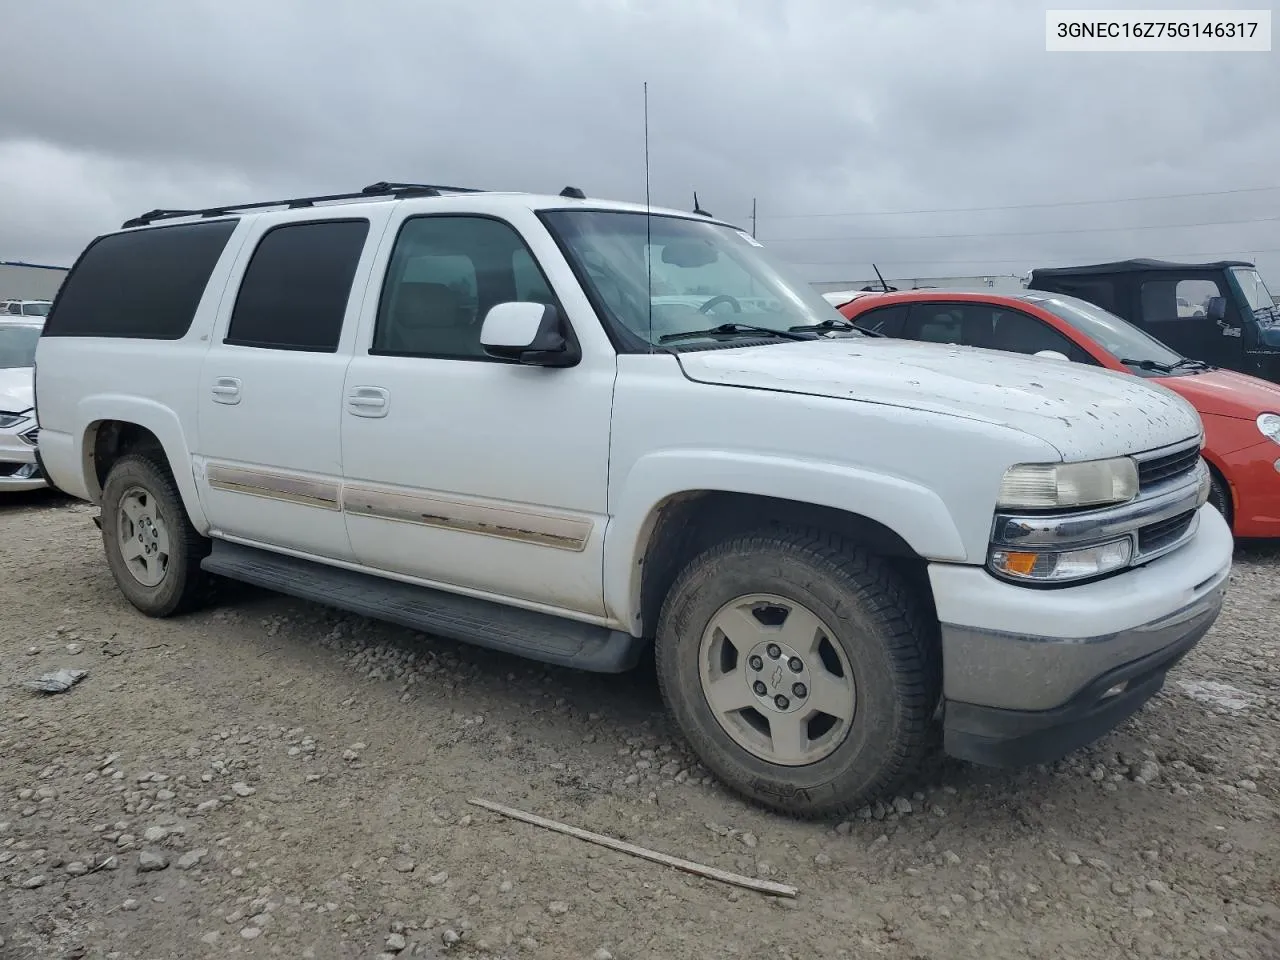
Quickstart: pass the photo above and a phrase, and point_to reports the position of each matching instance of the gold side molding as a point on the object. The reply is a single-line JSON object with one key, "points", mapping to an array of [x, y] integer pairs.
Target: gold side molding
{"points": [[275, 486], [562, 533]]}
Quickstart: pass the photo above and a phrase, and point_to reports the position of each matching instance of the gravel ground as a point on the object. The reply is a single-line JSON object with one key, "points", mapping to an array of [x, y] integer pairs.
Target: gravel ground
{"points": [[272, 778]]}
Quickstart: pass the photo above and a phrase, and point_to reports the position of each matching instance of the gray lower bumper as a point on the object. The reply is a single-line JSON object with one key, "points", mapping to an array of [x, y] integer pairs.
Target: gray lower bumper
{"points": [[1030, 673]]}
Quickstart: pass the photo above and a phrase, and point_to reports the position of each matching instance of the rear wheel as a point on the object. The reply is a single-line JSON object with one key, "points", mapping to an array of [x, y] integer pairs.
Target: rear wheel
{"points": [[799, 670], [152, 549]]}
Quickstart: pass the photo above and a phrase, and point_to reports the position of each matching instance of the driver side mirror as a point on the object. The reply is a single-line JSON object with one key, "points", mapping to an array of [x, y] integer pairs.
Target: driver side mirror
{"points": [[1216, 310], [1052, 355], [529, 333]]}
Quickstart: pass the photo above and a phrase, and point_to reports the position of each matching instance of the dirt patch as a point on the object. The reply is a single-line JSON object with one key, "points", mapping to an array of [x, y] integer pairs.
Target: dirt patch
{"points": [[270, 778]]}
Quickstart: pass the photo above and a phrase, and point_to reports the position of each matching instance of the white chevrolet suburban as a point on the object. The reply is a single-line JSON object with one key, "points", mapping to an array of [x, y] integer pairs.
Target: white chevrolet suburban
{"points": [[569, 429]]}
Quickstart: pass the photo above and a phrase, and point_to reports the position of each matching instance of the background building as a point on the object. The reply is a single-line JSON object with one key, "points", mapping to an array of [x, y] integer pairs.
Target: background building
{"points": [[29, 281]]}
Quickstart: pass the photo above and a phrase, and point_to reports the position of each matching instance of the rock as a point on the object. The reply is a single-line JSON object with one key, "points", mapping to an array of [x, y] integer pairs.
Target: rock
{"points": [[437, 879], [208, 806], [901, 806], [250, 933], [403, 865], [1121, 888], [1072, 859], [76, 868], [602, 954], [557, 908], [1159, 887], [130, 905], [155, 834], [31, 883], [350, 756], [749, 839], [505, 886], [822, 860], [449, 937], [1149, 771], [951, 857], [109, 863], [211, 937], [192, 859], [149, 861], [1143, 913], [74, 648], [242, 790], [396, 943]]}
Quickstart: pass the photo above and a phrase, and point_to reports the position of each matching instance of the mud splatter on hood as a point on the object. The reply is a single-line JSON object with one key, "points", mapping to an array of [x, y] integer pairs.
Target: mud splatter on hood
{"points": [[1083, 411]]}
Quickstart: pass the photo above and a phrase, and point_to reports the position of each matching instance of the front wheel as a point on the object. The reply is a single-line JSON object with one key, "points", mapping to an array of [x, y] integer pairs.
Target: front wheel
{"points": [[799, 670], [152, 549], [1220, 497]]}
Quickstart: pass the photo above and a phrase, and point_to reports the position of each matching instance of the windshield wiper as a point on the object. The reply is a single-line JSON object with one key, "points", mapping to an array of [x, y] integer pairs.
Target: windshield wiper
{"points": [[1191, 364], [731, 329], [834, 325], [1148, 365]]}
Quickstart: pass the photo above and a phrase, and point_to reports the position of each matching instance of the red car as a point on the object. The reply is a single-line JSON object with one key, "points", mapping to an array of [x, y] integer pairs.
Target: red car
{"points": [[1241, 414]]}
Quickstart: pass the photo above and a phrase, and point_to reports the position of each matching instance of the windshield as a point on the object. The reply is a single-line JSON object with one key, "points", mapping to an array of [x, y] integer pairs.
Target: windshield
{"points": [[1254, 290], [661, 276], [18, 346], [1117, 336], [35, 309]]}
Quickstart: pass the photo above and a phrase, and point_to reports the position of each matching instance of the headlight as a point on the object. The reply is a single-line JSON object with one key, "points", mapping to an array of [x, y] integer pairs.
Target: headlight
{"points": [[13, 419], [1060, 566], [1045, 486], [1269, 425]]}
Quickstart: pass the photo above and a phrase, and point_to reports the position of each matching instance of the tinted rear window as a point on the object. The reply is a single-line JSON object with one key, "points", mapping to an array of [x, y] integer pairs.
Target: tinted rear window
{"points": [[295, 290], [143, 283]]}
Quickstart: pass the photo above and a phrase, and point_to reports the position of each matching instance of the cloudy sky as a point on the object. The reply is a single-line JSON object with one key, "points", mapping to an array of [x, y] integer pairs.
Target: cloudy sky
{"points": [[843, 119]]}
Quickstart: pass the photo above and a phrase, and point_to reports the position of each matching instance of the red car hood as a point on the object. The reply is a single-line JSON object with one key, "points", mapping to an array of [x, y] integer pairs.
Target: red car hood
{"points": [[1225, 393]]}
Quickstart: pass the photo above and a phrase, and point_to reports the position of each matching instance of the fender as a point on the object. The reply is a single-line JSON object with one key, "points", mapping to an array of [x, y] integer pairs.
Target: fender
{"points": [[161, 421], [914, 512]]}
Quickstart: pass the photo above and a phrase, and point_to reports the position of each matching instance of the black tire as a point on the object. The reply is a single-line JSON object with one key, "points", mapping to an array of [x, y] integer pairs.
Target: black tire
{"points": [[184, 586], [1220, 496], [887, 637]]}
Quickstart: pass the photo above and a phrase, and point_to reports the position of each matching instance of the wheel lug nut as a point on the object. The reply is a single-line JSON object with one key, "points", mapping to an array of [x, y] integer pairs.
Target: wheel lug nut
{"points": [[755, 663], [800, 690], [796, 664], [781, 702], [759, 688], [774, 651]]}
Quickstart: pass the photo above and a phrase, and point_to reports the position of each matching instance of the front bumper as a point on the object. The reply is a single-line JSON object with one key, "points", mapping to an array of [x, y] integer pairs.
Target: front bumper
{"points": [[18, 467], [1013, 738], [1027, 672]]}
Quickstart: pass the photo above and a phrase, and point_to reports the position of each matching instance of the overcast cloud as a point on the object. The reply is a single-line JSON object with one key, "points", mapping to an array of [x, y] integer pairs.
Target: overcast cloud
{"points": [[812, 106]]}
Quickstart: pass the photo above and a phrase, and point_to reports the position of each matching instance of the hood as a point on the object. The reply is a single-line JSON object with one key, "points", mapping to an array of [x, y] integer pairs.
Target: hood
{"points": [[1226, 393], [1082, 411], [17, 389]]}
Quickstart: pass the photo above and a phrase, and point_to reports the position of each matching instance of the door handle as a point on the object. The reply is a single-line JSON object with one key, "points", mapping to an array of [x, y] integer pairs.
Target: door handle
{"points": [[368, 401], [226, 390]]}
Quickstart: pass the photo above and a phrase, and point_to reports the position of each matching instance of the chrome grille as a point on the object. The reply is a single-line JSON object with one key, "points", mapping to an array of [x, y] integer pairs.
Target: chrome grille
{"points": [[1157, 536], [31, 436], [1167, 466]]}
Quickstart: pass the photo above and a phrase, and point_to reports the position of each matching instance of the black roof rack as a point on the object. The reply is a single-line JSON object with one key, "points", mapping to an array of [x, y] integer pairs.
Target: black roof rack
{"points": [[380, 189]]}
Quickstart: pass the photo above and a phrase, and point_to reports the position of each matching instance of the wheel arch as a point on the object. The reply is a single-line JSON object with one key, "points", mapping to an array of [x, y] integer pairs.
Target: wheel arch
{"points": [[118, 426]]}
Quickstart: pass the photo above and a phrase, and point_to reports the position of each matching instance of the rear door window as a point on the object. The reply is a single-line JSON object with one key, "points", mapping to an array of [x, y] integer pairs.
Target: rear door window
{"points": [[295, 290], [140, 283]]}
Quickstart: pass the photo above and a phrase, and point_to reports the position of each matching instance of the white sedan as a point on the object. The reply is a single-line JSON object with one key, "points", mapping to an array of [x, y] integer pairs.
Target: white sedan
{"points": [[18, 429]]}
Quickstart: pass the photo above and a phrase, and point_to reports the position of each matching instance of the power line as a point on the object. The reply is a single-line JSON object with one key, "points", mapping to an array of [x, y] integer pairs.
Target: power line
{"points": [[1022, 233], [1020, 206], [1091, 258]]}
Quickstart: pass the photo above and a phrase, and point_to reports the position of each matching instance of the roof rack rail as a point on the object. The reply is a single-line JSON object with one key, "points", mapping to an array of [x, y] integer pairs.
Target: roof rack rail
{"points": [[382, 188]]}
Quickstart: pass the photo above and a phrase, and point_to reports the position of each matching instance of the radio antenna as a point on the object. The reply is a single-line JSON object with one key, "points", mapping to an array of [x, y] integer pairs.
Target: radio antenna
{"points": [[880, 277], [648, 216]]}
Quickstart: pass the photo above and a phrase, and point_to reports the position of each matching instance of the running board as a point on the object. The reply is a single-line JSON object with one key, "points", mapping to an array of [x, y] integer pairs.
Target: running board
{"points": [[524, 633]]}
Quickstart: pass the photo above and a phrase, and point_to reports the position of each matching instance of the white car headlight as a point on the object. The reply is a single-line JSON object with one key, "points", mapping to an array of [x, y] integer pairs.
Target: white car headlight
{"points": [[1046, 486], [13, 419], [1269, 426]]}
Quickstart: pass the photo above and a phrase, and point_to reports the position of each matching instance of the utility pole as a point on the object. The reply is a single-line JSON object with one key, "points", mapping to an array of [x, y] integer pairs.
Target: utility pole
{"points": [[753, 216]]}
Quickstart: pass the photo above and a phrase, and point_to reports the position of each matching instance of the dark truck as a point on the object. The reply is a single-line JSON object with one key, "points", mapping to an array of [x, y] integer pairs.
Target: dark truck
{"points": [[1220, 312]]}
